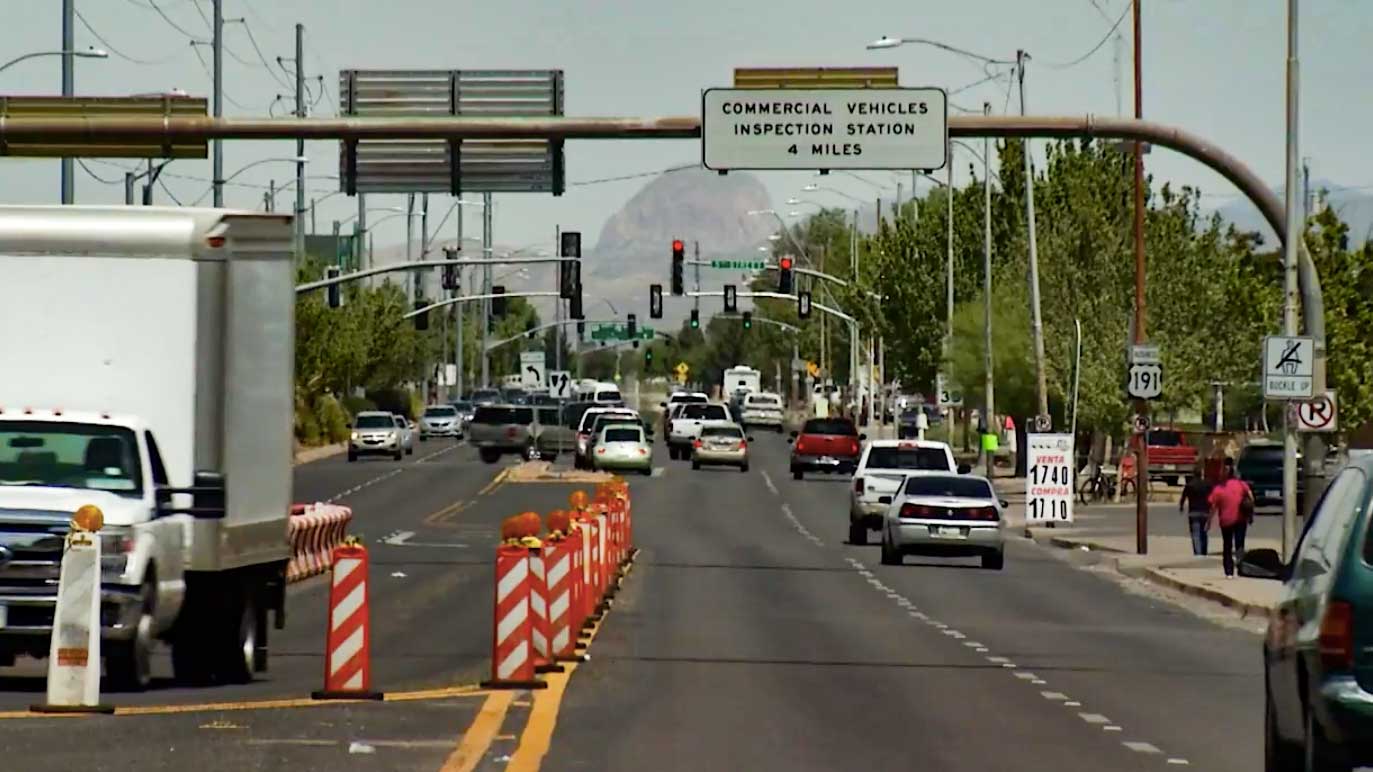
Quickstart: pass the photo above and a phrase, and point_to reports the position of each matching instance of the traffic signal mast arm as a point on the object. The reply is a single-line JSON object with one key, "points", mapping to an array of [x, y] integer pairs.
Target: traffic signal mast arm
{"points": [[777, 295], [491, 296], [559, 323], [421, 264]]}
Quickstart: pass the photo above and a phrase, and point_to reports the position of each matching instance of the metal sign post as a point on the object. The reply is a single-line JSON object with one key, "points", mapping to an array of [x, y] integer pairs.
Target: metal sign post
{"points": [[1289, 374]]}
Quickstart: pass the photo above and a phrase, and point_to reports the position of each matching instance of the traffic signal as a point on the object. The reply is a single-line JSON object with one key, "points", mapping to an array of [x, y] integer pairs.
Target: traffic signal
{"points": [[498, 302], [655, 301], [695, 319], [731, 299], [334, 292], [648, 358], [633, 327], [569, 272], [748, 320], [803, 304], [581, 330], [422, 319], [678, 267], [784, 274], [574, 308], [451, 279]]}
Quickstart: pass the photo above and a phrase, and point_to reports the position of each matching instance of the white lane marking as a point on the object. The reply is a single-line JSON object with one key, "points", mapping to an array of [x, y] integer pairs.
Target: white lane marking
{"points": [[1179, 761], [1025, 676], [981, 650], [1139, 747], [801, 529], [997, 659], [1054, 696], [658, 471], [388, 475], [954, 634], [972, 644], [398, 538], [768, 482], [1110, 729], [1010, 665], [1094, 718], [1072, 704], [1038, 681]]}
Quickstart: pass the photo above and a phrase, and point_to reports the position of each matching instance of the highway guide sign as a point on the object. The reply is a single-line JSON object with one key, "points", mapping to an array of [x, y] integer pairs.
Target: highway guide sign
{"points": [[1049, 478], [532, 369], [1288, 367], [825, 128]]}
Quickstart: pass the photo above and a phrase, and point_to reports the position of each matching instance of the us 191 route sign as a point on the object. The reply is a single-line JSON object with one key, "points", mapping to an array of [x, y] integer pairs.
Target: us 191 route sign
{"points": [[795, 128]]}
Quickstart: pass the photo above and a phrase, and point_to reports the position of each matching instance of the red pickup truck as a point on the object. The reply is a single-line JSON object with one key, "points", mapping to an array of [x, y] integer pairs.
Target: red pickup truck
{"points": [[830, 445], [1170, 456]]}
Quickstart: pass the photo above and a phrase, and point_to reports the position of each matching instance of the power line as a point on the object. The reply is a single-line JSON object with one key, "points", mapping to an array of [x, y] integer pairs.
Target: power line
{"points": [[97, 177], [638, 175], [153, 5], [206, 67], [1094, 49], [253, 40], [111, 48], [194, 178]]}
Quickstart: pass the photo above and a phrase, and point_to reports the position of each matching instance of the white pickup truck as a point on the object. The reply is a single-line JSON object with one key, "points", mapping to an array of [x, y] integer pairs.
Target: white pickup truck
{"points": [[881, 470], [685, 426], [148, 369]]}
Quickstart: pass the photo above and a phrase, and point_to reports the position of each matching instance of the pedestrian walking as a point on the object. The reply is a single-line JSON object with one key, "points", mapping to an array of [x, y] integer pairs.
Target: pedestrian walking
{"points": [[1196, 502], [1232, 504]]}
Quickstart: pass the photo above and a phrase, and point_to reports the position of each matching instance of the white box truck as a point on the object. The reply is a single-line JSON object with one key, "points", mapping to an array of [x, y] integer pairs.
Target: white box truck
{"points": [[146, 367]]}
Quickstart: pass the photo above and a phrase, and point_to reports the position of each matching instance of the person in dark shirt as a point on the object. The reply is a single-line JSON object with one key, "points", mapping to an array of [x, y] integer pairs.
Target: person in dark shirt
{"points": [[1196, 503]]}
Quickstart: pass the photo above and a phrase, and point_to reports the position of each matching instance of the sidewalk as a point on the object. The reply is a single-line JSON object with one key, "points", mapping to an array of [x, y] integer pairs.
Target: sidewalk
{"points": [[1110, 529], [307, 455]]}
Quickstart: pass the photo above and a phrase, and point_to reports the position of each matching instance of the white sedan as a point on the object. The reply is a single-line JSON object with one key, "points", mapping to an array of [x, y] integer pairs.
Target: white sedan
{"points": [[945, 515]]}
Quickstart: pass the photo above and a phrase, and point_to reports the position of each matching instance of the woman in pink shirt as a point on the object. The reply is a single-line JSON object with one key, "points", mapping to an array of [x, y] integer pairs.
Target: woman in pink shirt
{"points": [[1227, 505]]}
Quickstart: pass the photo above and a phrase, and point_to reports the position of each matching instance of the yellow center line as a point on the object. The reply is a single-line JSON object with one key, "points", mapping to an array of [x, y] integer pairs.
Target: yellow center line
{"points": [[477, 739], [495, 482], [443, 515]]}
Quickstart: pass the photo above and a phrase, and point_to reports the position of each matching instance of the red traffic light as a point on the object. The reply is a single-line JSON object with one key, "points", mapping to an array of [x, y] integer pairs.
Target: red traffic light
{"points": [[784, 263], [677, 245]]}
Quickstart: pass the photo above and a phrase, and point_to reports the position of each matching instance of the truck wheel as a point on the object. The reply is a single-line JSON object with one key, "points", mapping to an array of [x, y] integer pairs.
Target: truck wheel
{"points": [[352, 457], [128, 665], [994, 560], [489, 455], [239, 652], [796, 474]]}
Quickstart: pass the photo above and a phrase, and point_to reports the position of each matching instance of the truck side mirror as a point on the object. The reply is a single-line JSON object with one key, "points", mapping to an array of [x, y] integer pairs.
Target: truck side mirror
{"points": [[862, 437], [208, 499]]}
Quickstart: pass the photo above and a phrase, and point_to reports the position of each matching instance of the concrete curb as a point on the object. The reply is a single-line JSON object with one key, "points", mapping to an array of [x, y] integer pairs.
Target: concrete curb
{"points": [[1153, 574], [310, 455]]}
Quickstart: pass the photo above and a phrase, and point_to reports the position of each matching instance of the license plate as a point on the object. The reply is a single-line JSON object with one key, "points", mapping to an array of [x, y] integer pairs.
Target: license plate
{"points": [[949, 531], [827, 460], [1271, 494]]}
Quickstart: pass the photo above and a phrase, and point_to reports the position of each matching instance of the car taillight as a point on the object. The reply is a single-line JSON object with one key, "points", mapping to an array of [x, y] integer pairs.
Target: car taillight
{"points": [[643, 451], [916, 510], [696, 444], [743, 445], [858, 485], [1337, 636], [800, 444], [601, 450], [980, 513], [510, 432], [853, 447]]}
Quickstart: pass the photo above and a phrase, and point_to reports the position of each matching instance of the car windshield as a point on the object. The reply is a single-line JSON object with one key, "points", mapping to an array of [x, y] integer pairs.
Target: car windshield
{"points": [[503, 415], [698, 412], [443, 411], [953, 487], [375, 421], [930, 459], [757, 401], [829, 426], [485, 395], [722, 431], [687, 398], [1165, 439], [608, 396], [55, 454], [623, 434], [462, 407]]}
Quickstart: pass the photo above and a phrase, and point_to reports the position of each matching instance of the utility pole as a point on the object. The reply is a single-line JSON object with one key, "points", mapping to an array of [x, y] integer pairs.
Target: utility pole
{"points": [[363, 262], [486, 288], [948, 288], [68, 179], [989, 390], [462, 308], [271, 195], [128, 188], [1141, 406], [218, 99], [412, 285], [1306, 187], [1295, 230], [1036, 320], [418, 276], [300, 144], [558, 301]]}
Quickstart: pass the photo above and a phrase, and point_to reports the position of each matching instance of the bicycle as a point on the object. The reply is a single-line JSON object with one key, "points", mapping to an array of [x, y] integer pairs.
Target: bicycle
{"points": [[1099, 487]]}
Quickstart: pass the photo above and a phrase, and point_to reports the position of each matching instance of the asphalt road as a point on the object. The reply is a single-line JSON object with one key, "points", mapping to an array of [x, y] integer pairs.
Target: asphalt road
{"points": [[751, 636], [430, 605]]}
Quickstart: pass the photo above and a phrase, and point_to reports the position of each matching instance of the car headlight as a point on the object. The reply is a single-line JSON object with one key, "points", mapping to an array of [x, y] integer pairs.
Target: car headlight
{"points": [[116, 544], [355, 435]]}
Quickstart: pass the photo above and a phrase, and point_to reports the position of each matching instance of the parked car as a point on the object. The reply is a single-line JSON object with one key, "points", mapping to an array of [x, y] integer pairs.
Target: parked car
{"points": [[762, 409], [406, 427], [498, 430], [440, 421], [623, 446], [1260, 465], [375, 434], [882, 469], [830, 445], [684, 426], [1171, 457], [946, 515], [721, 443], [1318, 651]]}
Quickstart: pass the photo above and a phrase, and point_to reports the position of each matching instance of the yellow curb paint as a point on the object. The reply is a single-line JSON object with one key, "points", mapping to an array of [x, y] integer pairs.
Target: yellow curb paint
{"points": [[477, 739]]}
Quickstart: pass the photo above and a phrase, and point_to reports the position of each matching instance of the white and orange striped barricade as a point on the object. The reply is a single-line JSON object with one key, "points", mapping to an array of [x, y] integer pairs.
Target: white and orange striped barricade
{"points": [[558, 579], [314, 530], [587, 533], [603, 564], [578, 580], [348, 656], [541, 628], [512, 655]]}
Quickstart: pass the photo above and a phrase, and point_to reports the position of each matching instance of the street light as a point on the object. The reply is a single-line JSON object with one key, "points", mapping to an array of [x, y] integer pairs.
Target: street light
{"points": [[816, 188], [90, 53], [890, 42]]}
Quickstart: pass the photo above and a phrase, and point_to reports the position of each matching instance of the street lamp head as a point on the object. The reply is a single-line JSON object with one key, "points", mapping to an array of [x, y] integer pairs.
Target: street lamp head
{"points": [[810, 188], [793, 214], [94, 53], [884, 42], [775, 237], [793, 201]]}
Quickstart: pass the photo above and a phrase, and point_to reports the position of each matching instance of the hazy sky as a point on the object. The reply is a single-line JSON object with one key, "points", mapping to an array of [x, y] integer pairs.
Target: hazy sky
{"points": [[1215, 67]]}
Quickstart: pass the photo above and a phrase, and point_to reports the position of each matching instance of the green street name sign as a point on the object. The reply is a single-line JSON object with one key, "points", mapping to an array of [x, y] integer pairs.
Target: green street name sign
{"points": [[746, 265], [620, 332]]}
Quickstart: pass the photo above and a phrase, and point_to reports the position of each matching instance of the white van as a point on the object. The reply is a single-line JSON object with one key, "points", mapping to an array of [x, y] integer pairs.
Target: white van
{"points": [[600, 392]]}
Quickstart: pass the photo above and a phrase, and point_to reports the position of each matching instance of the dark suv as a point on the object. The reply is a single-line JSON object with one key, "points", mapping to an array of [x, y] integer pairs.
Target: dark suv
{"points": [[497, 430]]}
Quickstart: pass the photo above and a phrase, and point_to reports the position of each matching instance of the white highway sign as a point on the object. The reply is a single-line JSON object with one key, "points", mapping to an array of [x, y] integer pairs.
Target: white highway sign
{"points": [[1288, 366], [532, 369], [1145, 381], [1049, 478], [793, 128], [1143, 354]]}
